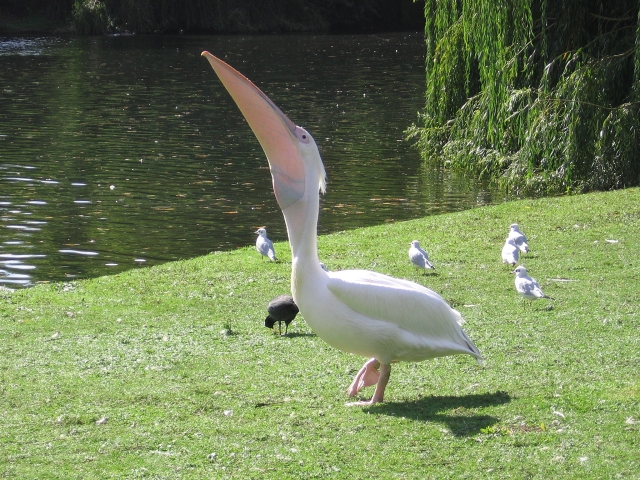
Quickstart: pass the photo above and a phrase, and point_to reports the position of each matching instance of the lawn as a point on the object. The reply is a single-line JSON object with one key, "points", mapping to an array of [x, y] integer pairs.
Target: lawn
{"points": [[168, 372]]}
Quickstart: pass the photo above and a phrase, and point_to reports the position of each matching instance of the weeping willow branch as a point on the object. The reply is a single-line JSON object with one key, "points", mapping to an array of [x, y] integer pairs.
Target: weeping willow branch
{"points": [[604, 107], [539, 96]]}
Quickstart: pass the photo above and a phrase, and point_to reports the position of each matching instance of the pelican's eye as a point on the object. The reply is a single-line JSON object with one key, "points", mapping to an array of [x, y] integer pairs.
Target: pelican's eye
{"points": [[302, 135]]}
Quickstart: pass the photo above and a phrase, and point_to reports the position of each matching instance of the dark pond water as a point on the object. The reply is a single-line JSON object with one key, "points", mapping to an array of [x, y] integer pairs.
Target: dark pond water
{"points": [[117, 152]]}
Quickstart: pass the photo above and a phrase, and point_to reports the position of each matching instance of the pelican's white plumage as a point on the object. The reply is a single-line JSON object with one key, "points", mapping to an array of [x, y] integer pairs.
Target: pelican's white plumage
{"points": [[418, 256], [264, 245], [518, 238], [356, 311], [528, 287], [374, 315], [510, 252]]}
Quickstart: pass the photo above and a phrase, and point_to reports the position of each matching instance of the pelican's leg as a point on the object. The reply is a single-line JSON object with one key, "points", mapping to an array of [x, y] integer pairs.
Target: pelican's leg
{"points": [[368, 375], [378, 395]]}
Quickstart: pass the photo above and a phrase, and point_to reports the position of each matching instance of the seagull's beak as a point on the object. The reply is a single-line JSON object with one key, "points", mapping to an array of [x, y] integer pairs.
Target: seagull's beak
{"points": [[276, 133]]}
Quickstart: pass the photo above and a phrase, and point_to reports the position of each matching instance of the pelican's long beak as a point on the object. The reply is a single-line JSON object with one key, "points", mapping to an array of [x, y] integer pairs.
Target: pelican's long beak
{"points": [[276, 133]]}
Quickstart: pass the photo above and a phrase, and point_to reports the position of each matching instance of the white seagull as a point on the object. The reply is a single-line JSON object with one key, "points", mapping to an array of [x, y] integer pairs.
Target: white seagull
{"points": [[527, 286], [361, 312], [510, 252], [418, 256], [518, 237], [264, 245]]}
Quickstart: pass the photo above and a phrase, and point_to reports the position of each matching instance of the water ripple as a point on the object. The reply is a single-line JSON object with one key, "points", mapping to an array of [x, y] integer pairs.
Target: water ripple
{"points": [[23, 228], [26, 46], [15, 265], [78, 252]]}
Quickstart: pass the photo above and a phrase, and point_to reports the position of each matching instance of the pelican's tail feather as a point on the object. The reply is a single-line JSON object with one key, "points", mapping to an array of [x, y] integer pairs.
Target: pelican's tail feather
{"points": [[473, 350]]}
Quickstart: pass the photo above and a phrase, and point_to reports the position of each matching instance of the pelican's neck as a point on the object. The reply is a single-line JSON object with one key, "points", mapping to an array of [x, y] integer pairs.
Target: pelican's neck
{"points": [[302, 224]]}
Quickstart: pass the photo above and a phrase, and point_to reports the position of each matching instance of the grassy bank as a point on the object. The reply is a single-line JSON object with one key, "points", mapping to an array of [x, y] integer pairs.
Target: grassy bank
{"points": [[169, 373]]}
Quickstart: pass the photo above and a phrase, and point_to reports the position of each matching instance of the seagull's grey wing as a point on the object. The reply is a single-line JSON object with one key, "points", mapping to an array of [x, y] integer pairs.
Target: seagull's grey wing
{"points": [[419, 257], [537, 291], [528, 287], [415, 257], [262, 246], [265, 247], [271, 252], [520, 240], [426, 260]]}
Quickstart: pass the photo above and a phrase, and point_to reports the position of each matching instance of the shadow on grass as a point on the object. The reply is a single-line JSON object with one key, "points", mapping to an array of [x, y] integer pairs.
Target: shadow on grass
{"points": [[296, 334], [460, 419], [426, 274]]}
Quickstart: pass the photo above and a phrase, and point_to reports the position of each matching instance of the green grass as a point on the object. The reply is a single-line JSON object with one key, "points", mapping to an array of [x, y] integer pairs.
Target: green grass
{"points": [[191, 384]]}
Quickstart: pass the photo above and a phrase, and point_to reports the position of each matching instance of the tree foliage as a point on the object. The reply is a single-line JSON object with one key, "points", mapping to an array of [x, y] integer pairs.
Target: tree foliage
{"points": [[242, 16], [542, 96]]}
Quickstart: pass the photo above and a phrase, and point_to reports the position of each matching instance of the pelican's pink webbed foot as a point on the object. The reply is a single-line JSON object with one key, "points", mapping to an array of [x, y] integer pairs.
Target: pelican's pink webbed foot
{"points": [[381, 377], [368, 375]]}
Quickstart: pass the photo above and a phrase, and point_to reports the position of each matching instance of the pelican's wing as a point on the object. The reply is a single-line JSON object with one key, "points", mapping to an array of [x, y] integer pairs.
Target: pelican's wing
{"points": [[408, 305]]}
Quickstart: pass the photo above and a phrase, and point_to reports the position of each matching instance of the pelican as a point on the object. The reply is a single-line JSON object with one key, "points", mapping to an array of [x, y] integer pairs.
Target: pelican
{"points": [[528, 287], [518, 237], [510, 252], [365, 313], [264, 245], [281, 309], [418, 256]]}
